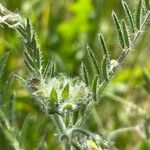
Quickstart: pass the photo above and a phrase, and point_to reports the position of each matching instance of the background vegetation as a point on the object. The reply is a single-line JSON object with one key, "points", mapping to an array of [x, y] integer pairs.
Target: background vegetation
{"points": [[64, 28]]}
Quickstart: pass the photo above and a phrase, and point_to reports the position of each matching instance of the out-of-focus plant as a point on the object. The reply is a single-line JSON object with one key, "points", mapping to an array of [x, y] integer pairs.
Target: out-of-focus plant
{"points": [[6, 106], [8, 120], [69, 101]]}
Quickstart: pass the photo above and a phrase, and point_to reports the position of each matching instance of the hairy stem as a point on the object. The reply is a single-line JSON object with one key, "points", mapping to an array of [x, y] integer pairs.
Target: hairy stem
{"points": [[67, 145], [59, 123], [62, 129]]}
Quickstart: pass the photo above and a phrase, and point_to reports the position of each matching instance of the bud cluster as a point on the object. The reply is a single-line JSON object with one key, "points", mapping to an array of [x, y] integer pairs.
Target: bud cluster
{"points": [[60, 93]]}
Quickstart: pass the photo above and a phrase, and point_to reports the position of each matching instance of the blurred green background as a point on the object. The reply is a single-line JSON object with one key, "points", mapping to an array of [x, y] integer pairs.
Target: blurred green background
{"points": [[64, 27]]}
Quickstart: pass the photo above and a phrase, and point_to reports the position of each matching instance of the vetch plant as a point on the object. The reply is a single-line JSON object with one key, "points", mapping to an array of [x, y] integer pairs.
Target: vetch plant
{"points": [[69, 101]]}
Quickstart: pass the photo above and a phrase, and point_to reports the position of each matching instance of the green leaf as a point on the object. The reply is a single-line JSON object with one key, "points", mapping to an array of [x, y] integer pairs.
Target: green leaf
{"points": [[147, 4], [53, 95], [23, 130], [84, 74], [46, 70], [22, 31], [34, 45], [129, 15], [28, 30], [67, 119], [94, 87], [40, 144], [126, 34], [36, 51], [146, 79], [30, 68], [2, 115], [52, 69], [32, 53], [65, 92], [29, 59], [93, 60], [104, 48], [11, 107], [119, 30], [68, 106], [146, 127], [138, 15], [3, 62], [105, 69], [75, 117]]}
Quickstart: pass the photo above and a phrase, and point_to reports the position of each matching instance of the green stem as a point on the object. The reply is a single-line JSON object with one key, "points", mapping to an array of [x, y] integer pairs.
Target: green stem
{"points": [[67, 145], [127, 103], [16, 145], [118, 132], [59, 123], [62, 129]]}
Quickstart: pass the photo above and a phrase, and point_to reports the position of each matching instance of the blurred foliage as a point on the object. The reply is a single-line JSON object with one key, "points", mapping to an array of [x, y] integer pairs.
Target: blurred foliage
{"points": [[64, 28]]}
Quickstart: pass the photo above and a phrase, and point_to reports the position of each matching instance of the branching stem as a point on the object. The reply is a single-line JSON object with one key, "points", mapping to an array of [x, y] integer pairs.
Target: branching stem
{"points": [[120, 60]]}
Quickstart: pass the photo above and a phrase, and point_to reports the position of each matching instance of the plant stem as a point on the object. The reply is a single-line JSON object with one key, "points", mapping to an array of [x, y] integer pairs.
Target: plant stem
{"points": [[16, 145], [67, 145], [117, 132], [59, 123], [62, 129], [114, 97]]}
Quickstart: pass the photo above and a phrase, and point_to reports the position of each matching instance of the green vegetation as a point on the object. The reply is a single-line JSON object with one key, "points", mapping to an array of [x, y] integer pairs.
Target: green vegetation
{"points": [[39, 102]]}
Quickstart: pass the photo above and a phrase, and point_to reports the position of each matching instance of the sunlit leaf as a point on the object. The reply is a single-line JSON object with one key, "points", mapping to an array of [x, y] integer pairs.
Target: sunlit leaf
{"points": [[53, 95], [65, 92]]}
